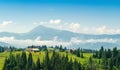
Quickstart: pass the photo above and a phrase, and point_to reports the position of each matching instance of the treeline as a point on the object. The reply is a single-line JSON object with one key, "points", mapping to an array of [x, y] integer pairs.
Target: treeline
{"points": [[45, 47], [109, 59], [10, 48], [2, 49], [56, 62], [78, 52]]}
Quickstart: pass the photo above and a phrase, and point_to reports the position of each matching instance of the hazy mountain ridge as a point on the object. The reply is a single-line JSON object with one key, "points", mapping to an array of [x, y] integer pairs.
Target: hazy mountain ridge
{"points": [[46, 33]]}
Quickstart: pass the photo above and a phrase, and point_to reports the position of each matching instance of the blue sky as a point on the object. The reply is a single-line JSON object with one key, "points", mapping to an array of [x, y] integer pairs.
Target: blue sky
{"points": [[82, 16]]}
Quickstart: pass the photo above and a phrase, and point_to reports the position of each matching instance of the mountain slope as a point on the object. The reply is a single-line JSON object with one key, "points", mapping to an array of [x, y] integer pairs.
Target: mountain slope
{"points": [[46, 33], [75, 39]]}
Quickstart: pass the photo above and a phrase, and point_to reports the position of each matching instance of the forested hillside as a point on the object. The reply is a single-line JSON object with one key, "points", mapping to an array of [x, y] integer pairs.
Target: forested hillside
{"points": [[50, 59]]}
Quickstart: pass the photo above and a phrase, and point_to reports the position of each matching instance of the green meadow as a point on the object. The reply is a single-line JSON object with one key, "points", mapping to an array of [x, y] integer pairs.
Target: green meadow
{"points": [[41, 55]]}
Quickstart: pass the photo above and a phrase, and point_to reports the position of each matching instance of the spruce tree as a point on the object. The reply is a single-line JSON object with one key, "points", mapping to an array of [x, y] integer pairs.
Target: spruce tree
{"points": [[81, 53], [23, 60], [90, 63], [46, 61], [101, 52], [78, 52], [38, 64], [110, 64], [30, 61]]}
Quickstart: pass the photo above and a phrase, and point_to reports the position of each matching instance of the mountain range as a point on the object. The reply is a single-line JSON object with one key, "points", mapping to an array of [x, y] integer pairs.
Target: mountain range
{"points": [[81, 40]]}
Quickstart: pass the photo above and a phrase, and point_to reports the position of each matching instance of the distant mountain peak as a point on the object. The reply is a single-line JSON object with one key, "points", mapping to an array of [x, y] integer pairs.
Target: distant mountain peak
{"points": [[49, 34], [40, 28]]}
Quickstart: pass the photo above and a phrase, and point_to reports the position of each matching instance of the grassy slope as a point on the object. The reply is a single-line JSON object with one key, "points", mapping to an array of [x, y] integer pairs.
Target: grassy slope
{"points": [[42, 54]]}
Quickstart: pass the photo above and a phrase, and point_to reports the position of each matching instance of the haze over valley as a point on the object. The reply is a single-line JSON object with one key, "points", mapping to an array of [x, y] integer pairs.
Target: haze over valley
{"points": [[42, 35]]}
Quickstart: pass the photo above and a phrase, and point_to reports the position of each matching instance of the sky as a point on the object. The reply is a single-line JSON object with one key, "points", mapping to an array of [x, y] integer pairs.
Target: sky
{"points": [[81, 16]]}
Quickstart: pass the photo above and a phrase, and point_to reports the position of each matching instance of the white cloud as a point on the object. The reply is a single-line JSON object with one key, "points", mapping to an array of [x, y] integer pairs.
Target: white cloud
{"points": [[5, 23], [113, 31], [101, 30], [74, 27], [40, 23], [56, 21], [37, 41], [76, 40], [106, 30], [5, 39], [102, 40], [27, 42]]}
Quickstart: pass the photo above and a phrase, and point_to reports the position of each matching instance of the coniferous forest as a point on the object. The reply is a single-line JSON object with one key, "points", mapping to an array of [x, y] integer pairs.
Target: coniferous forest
{"points": [[103, 59], [56, 62]]}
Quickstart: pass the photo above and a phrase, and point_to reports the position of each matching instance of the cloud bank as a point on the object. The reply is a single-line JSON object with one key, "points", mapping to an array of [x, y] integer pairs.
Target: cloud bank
{"points": [[37, 41]]}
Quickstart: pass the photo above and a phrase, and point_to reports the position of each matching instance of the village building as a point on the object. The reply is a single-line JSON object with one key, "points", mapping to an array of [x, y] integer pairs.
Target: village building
{"points": [[32, 49]]}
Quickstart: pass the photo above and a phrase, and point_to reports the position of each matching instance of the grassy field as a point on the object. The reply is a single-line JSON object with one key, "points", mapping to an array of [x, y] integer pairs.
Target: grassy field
{"points": [[41, 55]]}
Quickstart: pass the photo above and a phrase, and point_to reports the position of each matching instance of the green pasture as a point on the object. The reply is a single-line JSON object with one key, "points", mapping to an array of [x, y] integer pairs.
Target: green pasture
{"points": [[41, 55]]}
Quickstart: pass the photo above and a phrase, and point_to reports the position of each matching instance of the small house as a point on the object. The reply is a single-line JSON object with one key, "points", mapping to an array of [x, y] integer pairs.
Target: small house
{"points": [[31, 49]]}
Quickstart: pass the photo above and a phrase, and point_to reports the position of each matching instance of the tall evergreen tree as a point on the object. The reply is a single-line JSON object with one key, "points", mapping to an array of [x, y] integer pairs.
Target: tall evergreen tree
{"points": [[38, 64], [30, 61], [82, 55], [104, 60], [19, 62], [110, 64], [109, 53], [101, 52], [91, 64], [78, 52], [115, 52], [24, 60], [46, 61]]}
